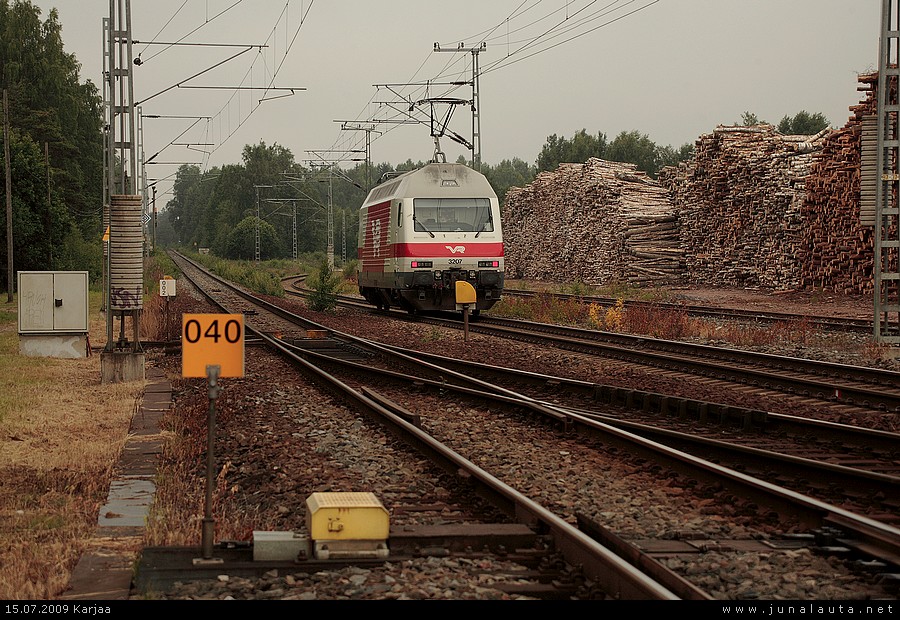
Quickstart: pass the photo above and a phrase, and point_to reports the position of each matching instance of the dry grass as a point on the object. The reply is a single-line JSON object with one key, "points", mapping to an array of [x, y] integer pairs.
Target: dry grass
{"points": [[61, 432], [176, 514], [675, 323], [177, 511]]}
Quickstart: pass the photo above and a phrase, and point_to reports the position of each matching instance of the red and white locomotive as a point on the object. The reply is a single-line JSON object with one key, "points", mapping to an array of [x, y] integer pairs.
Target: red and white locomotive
{"points": [[423, 231]]}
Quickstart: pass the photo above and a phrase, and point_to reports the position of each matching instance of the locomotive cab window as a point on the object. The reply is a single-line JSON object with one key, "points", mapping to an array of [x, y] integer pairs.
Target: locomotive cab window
{"points": [[453, 215]]}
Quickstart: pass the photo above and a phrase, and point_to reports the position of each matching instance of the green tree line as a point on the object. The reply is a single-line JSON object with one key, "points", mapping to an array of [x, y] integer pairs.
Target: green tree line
{"points": [[271, 200], [267, 201], [802, 123], [55, 144]]}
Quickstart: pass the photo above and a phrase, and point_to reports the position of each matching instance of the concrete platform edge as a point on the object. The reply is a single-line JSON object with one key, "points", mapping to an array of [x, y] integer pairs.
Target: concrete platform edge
{"points": [[106, 570]]}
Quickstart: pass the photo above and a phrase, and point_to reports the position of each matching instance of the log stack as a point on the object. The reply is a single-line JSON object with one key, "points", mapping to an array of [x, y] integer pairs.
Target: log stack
{"points": [[599, 222], [753, 208], [839, 254], [739, 205]]}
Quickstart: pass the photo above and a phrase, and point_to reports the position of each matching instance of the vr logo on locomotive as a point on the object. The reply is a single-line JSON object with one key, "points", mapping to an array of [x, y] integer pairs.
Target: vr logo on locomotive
{"points": [[456, 248], [376, 237]]}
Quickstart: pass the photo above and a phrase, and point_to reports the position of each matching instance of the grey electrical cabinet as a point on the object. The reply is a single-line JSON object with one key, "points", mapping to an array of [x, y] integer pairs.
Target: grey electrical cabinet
{"points": [[53, 313]]}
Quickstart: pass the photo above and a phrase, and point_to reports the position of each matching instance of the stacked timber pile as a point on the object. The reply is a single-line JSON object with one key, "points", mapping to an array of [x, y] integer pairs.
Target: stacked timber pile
{"points": [[752, 208], [598, 222], [838, 253], [739, 204]]}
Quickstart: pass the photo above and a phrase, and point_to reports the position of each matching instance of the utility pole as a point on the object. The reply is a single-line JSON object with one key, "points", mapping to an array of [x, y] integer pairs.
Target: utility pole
{"points": [[330, 220], [293, 202], [141, 182], [294, 229], [154, 216], [887, 181], [257, 225], [258, 219], [48, 222], [104, 219], [9, 213], [368, 128], [329, 213], [323, 165], [476, 104], [121, 163]]}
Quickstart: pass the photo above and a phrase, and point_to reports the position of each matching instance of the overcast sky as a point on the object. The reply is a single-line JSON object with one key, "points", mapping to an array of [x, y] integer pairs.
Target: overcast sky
{"points": [[670, 69]]}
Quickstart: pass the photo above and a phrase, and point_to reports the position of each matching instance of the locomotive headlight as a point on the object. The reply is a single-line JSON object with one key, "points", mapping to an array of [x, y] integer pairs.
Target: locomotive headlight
{"points": [[489, 263], [419, 264]]}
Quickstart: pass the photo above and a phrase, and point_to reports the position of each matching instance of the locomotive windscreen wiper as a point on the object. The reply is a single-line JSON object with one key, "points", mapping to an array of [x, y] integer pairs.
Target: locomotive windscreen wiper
{"points": [[418, 223], [485, 225]]}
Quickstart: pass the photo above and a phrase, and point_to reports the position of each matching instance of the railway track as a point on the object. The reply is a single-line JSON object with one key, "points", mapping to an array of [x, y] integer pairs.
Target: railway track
{"points": [[838, 384], [867, 537], [845, 391], [829, 450], [612, 576], [834, 462], [853, 446], [832, 323], [751, 317]]}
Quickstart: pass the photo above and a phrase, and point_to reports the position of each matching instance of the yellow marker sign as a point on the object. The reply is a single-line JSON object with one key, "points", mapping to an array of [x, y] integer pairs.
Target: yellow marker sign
{"points": [[106, 234], [465, 293], [212, 340]]}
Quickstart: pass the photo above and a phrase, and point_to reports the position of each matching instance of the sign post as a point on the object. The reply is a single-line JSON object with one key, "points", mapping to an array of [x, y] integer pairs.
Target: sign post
{"points": [[207, 534], [465, 296], [167, 290], [212, 346]]}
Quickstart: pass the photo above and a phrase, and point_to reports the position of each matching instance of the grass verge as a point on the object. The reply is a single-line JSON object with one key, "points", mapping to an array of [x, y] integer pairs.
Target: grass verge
{"points": [[61, 433]]}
